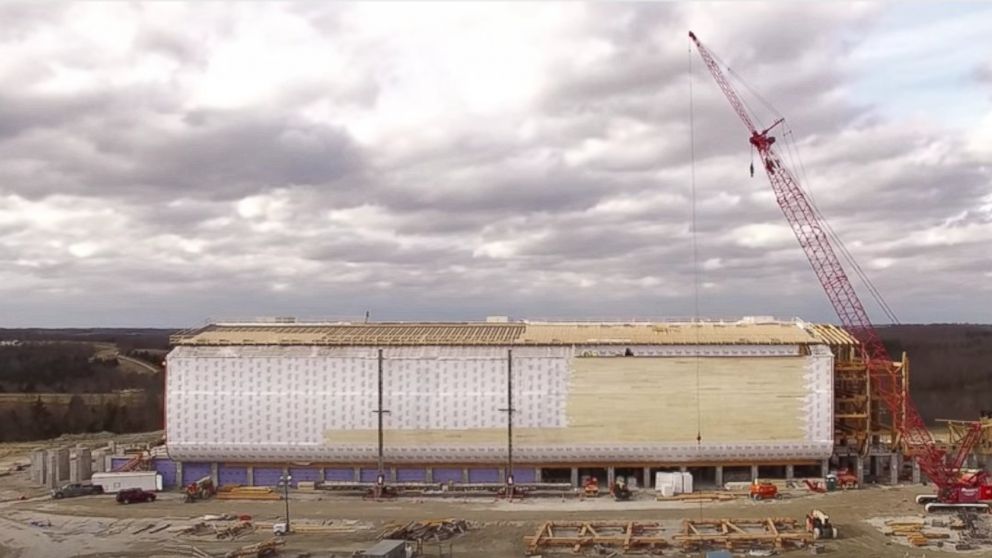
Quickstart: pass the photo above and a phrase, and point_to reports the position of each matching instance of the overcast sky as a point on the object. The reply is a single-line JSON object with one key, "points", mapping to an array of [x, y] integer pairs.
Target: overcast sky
{"points": [[162, 164]]}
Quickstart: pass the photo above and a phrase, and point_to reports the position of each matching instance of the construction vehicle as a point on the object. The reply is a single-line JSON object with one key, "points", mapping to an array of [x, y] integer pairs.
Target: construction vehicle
{"points": [[200, 490], [763, 490], [818, 523], [844, 479], [591, 488], [620, 491], [811, 229]]}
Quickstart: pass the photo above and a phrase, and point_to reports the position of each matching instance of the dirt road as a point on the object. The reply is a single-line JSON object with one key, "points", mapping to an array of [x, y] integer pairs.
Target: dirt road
{"points": [[98, 526]]}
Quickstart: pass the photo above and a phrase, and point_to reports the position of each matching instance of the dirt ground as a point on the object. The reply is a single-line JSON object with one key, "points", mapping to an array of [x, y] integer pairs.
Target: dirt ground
{"points": [[97, 526]]}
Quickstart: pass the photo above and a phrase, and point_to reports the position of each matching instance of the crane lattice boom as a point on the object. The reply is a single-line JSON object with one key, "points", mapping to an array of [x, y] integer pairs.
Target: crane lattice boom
{"points": [[942, 469]]}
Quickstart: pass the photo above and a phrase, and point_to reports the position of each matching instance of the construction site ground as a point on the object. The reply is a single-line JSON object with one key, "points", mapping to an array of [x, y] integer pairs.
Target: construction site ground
{"points": [[96, 526]]}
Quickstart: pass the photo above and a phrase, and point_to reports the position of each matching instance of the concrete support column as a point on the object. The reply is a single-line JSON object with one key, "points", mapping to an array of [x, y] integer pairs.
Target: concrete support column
{"points": [[38, 466], [824, 468], [62, 464], [465, 475], [754, 472], [179, 474], [357, 476], [214, 473], [538, 477], [859, 469], [916, 472], [790, 472], [718, 476], [430, 474], [647, 478], [575, 477], [876, 467], [80, 465], [251, 475], [502, 475], [895, 465], [611, 476], [51, 468], [85, 457], [392, 474], [320, 471]]}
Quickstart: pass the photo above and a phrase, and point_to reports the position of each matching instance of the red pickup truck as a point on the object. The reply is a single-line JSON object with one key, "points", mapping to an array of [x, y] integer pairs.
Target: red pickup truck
{"points": [[132, 495]]}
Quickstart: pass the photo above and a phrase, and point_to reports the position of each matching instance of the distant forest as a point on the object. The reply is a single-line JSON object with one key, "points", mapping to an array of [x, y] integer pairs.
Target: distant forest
{"points": [[46, 362], [950, 367]]}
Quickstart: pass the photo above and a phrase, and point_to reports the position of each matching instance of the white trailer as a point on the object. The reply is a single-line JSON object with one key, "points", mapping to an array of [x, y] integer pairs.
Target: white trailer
{"points": [[115, 482]]}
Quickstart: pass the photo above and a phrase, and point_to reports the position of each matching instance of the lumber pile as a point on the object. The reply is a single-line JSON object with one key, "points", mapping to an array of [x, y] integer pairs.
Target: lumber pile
{"points": [[247, 493], [915, 532], [186, 550], [299, 526], [266, 548], [200, 528], [696, 497], [601, 536], [235, 531], [430, 530]]}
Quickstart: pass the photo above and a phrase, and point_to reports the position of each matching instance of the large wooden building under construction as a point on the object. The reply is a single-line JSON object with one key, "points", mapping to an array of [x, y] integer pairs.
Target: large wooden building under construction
{"points": [[249, 402]]}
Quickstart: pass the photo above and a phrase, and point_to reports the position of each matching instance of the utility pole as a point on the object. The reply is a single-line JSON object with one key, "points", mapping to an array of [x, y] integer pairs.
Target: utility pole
{"points": [[380, 479], [509, 423], [284, 480]]}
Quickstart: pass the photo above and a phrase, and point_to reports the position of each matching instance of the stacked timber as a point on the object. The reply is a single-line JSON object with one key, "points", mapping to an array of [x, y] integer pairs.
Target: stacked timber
{"points": [[701, 497], [915, 532], [266, 548], [235, 492]]}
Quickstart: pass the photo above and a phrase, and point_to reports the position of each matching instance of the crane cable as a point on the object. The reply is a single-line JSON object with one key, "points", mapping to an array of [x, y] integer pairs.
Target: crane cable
{"points": [[695, 248], [695, 265]]}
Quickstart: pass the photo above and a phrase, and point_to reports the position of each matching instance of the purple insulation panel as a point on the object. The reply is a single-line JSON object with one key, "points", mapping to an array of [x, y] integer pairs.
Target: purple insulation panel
{"points": [[267, 476], [524, 474], [340, 475], [231, 475], [447, 475], [304, 474], [369, 474], [193, 472], [411, 475], [166, 468], [117, 462], [483, 475]]}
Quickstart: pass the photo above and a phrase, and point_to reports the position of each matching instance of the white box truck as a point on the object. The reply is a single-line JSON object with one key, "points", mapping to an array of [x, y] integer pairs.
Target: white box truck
{"points": [[115, 482]]}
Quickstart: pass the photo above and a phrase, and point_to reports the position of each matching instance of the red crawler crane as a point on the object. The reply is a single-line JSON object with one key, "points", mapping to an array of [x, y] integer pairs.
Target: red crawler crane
{"points": [[942, 468]]}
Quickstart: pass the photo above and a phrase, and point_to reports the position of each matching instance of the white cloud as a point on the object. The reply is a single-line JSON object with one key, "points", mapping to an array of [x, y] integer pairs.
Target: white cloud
{"points": [[455, 160]]}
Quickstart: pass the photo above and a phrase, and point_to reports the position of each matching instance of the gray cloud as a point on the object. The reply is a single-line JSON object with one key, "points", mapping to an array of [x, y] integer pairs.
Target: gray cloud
{"points": [[353, 161]]}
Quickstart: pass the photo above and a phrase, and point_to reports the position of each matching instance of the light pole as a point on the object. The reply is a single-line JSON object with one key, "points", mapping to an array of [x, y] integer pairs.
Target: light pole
{"points": [[284, 480]]}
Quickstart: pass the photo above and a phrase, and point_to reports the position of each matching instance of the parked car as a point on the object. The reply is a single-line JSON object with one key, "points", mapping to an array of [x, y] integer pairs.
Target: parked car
{"points": [[77, 489], [132, 495]]}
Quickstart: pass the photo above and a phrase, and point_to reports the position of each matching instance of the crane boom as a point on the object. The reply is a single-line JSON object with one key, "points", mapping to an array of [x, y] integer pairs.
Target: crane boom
{"points": [[809, 228]]}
